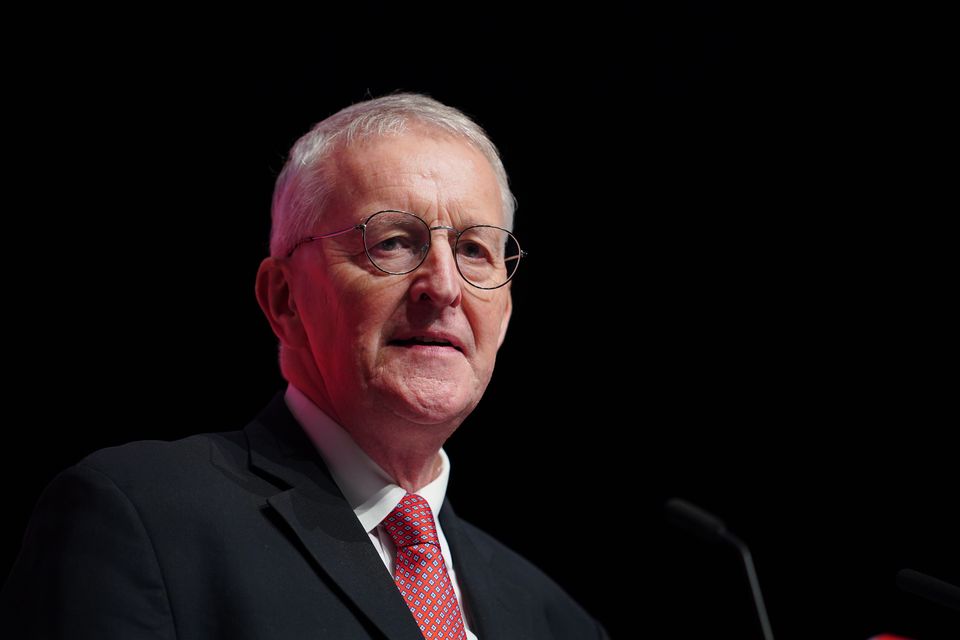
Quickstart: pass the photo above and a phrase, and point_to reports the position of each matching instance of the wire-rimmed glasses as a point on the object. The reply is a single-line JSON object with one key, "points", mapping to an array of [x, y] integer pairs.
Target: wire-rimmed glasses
{"points": [[397, 242]]}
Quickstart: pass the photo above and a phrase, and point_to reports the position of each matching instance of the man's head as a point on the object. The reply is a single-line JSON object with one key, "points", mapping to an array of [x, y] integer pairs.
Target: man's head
{"points": [[354, 338]]}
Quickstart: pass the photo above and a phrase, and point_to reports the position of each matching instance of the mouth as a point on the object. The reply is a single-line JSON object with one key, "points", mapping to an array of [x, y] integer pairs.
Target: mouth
{"points": [[425, 341]]}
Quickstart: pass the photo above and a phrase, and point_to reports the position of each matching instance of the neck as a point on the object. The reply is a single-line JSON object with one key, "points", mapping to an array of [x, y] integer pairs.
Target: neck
{"points": [[409, 452], [410, 469]]}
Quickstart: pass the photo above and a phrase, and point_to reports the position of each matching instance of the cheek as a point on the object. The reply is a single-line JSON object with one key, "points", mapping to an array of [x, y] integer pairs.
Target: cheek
{"points": [[335, 318], [367, 317], [487, 320]]}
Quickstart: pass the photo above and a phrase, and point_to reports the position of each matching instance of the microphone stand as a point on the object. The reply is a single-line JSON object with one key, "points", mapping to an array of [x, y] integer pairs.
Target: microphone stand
{"points": [[706, 525]]}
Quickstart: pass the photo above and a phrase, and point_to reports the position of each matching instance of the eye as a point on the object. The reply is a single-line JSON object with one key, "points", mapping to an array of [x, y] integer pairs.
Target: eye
{"points": [[394, 244], [473, 251]]}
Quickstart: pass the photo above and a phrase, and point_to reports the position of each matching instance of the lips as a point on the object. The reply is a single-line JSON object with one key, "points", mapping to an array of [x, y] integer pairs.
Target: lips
{"points": [[427, 339]]}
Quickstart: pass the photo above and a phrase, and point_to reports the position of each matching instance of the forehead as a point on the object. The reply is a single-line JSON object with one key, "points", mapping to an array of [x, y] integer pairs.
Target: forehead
{"points": [[431, 174]]}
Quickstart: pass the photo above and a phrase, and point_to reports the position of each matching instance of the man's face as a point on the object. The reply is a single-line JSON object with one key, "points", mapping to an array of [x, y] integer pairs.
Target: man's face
{"points": [[367, 330]]}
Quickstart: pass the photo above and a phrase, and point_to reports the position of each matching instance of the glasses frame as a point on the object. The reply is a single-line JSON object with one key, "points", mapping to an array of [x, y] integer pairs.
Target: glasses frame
{"points": [[362, 228]]}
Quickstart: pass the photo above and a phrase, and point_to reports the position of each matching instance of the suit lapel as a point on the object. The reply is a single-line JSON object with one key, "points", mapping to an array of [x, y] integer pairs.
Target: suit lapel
{"points": [[321, 519], [497, 607]]}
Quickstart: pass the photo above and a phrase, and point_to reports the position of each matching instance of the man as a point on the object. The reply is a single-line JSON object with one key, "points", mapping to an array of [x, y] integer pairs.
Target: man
{"points": [[388, 289]]}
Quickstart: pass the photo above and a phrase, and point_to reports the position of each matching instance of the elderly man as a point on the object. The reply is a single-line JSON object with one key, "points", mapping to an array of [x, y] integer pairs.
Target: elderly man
{"points": [[388, 289]]}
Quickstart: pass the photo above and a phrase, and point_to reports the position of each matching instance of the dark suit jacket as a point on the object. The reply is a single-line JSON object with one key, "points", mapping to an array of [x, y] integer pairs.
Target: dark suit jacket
{"points": [[242, 535]]}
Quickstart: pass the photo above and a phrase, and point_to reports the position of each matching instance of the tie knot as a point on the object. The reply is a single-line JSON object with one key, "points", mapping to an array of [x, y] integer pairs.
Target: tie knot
{"points": [[411, 522]]}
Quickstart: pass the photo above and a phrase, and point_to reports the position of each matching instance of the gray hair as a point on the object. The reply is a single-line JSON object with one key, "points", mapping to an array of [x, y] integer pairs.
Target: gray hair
{"points": [[306, 180]]}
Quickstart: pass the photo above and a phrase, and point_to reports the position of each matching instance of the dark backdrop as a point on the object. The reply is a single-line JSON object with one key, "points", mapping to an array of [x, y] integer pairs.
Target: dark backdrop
{"points": [[737, 288]]}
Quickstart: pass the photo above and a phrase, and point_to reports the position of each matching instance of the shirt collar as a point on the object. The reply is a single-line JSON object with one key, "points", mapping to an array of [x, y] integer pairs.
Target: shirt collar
{"points": [[370, 490]]}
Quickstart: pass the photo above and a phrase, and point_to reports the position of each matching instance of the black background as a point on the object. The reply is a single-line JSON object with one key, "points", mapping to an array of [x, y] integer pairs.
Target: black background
{"points": [[738, 289]]}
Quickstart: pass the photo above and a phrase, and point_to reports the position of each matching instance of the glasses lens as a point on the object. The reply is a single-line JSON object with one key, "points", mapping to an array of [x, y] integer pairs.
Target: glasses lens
{"points": [[487, 256], [396, 242]]}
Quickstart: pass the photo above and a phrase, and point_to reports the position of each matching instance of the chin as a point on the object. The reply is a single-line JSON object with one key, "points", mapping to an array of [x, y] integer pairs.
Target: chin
{"points": [[430, 401]]}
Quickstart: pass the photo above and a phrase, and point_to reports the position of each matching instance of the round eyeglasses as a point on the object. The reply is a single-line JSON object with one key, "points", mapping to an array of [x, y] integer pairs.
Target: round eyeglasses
{"points": [[397, 242]]}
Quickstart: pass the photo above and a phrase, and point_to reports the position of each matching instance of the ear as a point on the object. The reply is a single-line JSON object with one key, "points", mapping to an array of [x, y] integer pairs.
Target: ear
{"points": [[506, 316], [274, 290]]}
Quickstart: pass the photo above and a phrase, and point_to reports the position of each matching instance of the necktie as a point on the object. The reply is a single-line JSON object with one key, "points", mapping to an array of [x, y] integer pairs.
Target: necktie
{"points": [[420, 572]]}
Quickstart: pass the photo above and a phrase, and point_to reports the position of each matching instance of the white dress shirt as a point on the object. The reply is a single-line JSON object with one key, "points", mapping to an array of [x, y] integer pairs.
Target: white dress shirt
{"points": [[371, 492]]}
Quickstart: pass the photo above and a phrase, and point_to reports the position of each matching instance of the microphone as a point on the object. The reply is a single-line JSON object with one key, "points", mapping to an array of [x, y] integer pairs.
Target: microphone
{"points": [[697, 521], [920, 584]]}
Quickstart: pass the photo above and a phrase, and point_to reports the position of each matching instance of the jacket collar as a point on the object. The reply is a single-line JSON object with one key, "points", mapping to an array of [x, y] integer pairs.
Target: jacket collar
{"points": [[318, 515], [498, 608]]}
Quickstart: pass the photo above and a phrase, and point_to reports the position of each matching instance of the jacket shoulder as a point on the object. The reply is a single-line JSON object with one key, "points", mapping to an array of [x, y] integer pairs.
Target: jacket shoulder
{"points": [[167, 460], [564, 615], [509, 560], [177, 481]]}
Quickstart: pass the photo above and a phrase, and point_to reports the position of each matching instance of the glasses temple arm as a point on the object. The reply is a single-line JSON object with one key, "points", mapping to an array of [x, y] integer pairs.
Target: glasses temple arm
{"points": [[356, 227]]}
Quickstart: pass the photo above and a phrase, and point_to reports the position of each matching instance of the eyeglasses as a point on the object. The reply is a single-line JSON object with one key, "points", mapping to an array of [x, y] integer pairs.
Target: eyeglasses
{"points": [[397, 242]]}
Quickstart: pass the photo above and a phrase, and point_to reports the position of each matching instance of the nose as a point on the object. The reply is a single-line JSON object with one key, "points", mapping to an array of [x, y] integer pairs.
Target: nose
{"points": [[437, 280]]}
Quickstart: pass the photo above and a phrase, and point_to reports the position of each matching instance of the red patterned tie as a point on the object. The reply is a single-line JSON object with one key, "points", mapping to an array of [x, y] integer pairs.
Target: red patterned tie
{"points": [[420, 572]]}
